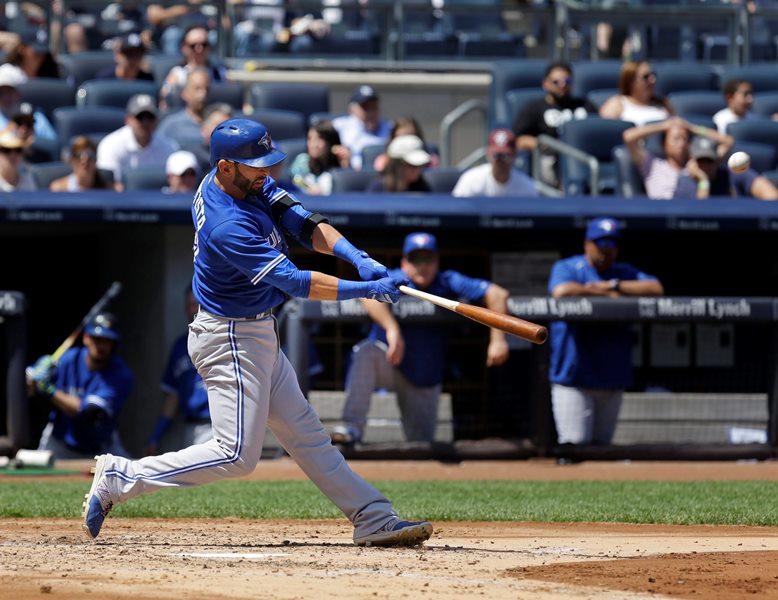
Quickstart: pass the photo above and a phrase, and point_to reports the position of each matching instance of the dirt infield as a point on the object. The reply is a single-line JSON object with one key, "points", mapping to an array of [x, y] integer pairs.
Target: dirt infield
{"points": [[229, 559]]}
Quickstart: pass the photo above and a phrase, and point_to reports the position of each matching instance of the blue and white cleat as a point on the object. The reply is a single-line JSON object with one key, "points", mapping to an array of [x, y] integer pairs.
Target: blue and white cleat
{"points": [[398, 533], [97, 503]]}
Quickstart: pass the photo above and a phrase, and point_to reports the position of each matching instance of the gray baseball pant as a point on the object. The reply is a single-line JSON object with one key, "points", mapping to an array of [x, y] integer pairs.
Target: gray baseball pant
{"points": [[585, 416], [251, 385]]}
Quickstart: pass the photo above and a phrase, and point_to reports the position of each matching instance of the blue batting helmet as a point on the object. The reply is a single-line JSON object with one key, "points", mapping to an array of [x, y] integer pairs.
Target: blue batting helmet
{"points": [[103, 326], [244, 141]]}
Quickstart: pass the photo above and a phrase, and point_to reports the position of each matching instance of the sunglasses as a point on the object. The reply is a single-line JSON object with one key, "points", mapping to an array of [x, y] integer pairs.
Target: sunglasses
{"points": [[422, 258], [201, 45], [648, 76], [606, 243], [504, 156], [11, 150], [146, 116], [560, 82], [86, 154]]}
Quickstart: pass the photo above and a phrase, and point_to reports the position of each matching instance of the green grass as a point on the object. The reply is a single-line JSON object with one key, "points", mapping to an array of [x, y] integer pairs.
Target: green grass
{"points": [[698, 502]]}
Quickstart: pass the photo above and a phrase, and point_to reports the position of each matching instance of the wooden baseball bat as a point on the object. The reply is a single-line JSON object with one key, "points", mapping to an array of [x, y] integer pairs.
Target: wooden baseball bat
{"points": [[109, 295], [526, 330]]}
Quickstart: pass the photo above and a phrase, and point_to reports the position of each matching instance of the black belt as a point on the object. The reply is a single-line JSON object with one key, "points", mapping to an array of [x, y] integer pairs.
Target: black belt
{"points": [[198, 420], [261, 315]]}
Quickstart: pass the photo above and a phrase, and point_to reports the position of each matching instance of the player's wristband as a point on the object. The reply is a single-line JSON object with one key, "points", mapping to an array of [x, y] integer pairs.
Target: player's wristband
{"points": [[703, 185], [345, 250], [163, 424], [351, 289]]}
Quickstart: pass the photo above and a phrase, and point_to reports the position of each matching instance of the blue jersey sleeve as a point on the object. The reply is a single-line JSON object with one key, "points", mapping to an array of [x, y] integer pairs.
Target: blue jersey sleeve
{"points": [[108, 392], [562, 272], [462, 286]]}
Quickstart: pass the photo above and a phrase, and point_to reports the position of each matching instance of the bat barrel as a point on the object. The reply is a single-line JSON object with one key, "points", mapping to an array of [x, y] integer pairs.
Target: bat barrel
{"points": [[537, 334]]}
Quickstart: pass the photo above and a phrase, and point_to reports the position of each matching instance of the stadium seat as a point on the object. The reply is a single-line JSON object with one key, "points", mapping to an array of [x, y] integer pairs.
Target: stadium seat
{"points": [[42, 151], [48, 93], [684, 77], [497, 45], [595, 75], [282, 124], [113, 92], [347, 180], [82, 66], [371, 152], [702, 103], [350, 42], [442, 179], [305, 98], [517, 99], [292, 148], [765, 104], [100, 120], [228, 92], [598, 97], [763, 131], [45, 173], [145, 178], [160, 65], [763, 156], [629, 182], [318, 117], [511, 75], [761, 76], [596, 137]]}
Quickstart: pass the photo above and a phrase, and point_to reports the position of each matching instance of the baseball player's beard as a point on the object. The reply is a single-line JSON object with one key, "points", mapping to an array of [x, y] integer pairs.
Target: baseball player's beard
{"points": [[246, 185]]}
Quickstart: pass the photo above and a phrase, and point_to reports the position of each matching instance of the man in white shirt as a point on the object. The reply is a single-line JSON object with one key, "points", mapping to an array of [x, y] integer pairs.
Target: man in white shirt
{"points": [[363, 126], [498, 177], [136, 144]]}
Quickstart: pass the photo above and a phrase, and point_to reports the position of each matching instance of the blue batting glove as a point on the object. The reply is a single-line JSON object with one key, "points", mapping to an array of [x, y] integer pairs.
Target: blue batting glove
{"points": [[384, 290], [43, 369], [370, 269]]}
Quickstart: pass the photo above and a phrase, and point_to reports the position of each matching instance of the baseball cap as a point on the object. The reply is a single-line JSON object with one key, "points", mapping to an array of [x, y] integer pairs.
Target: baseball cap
{"points": [[702, 147], [37, 39], [24, 113], [419, 240], [103, 326], [131, 42], [603, 227], [11, 76], [410, 149], [180, 161], [502, 140], [141, 103], [363, 93]]}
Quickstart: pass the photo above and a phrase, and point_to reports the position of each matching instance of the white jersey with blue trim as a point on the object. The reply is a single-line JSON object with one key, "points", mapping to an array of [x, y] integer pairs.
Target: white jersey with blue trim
{"points": [[240, 255]]}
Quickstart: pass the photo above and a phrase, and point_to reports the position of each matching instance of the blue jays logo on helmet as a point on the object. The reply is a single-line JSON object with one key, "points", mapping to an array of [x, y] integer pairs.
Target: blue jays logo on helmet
{"points": [[244, 141], [103, 326]]}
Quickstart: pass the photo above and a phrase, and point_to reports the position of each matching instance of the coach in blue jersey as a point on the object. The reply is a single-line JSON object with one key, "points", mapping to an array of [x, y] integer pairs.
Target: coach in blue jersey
{"points": [[591, 363], [410, 358], [241, 272], [87, 388], [183, 390]]}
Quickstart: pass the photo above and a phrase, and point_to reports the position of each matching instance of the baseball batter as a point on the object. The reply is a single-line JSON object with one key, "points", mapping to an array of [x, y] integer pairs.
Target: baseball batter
{"points": [[241, 271]]}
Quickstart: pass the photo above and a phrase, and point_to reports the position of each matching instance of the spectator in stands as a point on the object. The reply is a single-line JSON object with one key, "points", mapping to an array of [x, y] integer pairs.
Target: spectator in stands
{"points": [[14, 176], [739, 96], [405, 171], [591, 363], [22, 123], [87, 390], [660, 175], [363, 126], [406, 125], [498, 177], [704, 176], [311, 170], [184, 125], [136, 144], [196, 48], [11, 78], [265, 26], [183, 173], [32, 55], [183, 390], [637, 101], [128, 54], [212, 115], [168, 23], [410, 358], [545, 116], [77, 20], [85, 175]]}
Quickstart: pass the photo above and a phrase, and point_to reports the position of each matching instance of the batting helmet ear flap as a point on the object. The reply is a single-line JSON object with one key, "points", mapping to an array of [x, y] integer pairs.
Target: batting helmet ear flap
{"points": [[244, 141]]}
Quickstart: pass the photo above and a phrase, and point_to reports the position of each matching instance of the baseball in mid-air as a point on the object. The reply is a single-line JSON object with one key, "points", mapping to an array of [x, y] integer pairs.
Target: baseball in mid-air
{"points": [[739, 162]]}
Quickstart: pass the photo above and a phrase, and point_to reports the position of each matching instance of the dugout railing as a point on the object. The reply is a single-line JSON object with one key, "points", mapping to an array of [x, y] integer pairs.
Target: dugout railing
{"points": [[13, 324], [706, 383]]}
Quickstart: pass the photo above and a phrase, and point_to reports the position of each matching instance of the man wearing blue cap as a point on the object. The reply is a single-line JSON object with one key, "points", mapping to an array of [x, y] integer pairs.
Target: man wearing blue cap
{"points": [[87, 389], [591, 363], [410, 358]]}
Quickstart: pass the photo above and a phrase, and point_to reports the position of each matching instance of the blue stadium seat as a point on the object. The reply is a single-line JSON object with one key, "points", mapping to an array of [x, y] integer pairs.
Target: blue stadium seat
{"points": [[347, 180], [629, 182], [597, 137], [371, 152], [42, 151], [229, 92], [45, 173], [763, 156], [701, 103], [282, 124], [761, 76], [160, 65], [763, 131], [292, 148], [498, 45], [82, 66], [598, 97], [765, 104], [516, 100], [595, 75], [113, 92], [305, 98], [684, 77], [511, 75], [442, 179], [100, 120], [350, 42], [145, 178], [318, 117], [48, 93]]}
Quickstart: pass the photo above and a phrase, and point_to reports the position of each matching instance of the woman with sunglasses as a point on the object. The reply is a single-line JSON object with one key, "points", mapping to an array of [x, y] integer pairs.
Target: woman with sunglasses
{"points": [[637, 100], [85, 176], [14, 176]]}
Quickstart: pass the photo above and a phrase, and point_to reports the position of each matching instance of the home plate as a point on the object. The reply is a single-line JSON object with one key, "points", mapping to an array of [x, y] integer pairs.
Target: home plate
{"points": [[250, 555]]}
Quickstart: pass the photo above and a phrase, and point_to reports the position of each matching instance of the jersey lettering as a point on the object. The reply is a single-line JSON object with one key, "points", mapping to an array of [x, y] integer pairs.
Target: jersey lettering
{"points": [[199, 208]]}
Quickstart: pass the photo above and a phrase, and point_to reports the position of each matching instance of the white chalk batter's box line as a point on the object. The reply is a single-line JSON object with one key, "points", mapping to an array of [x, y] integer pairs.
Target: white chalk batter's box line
{"points": [[231, 555]]}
